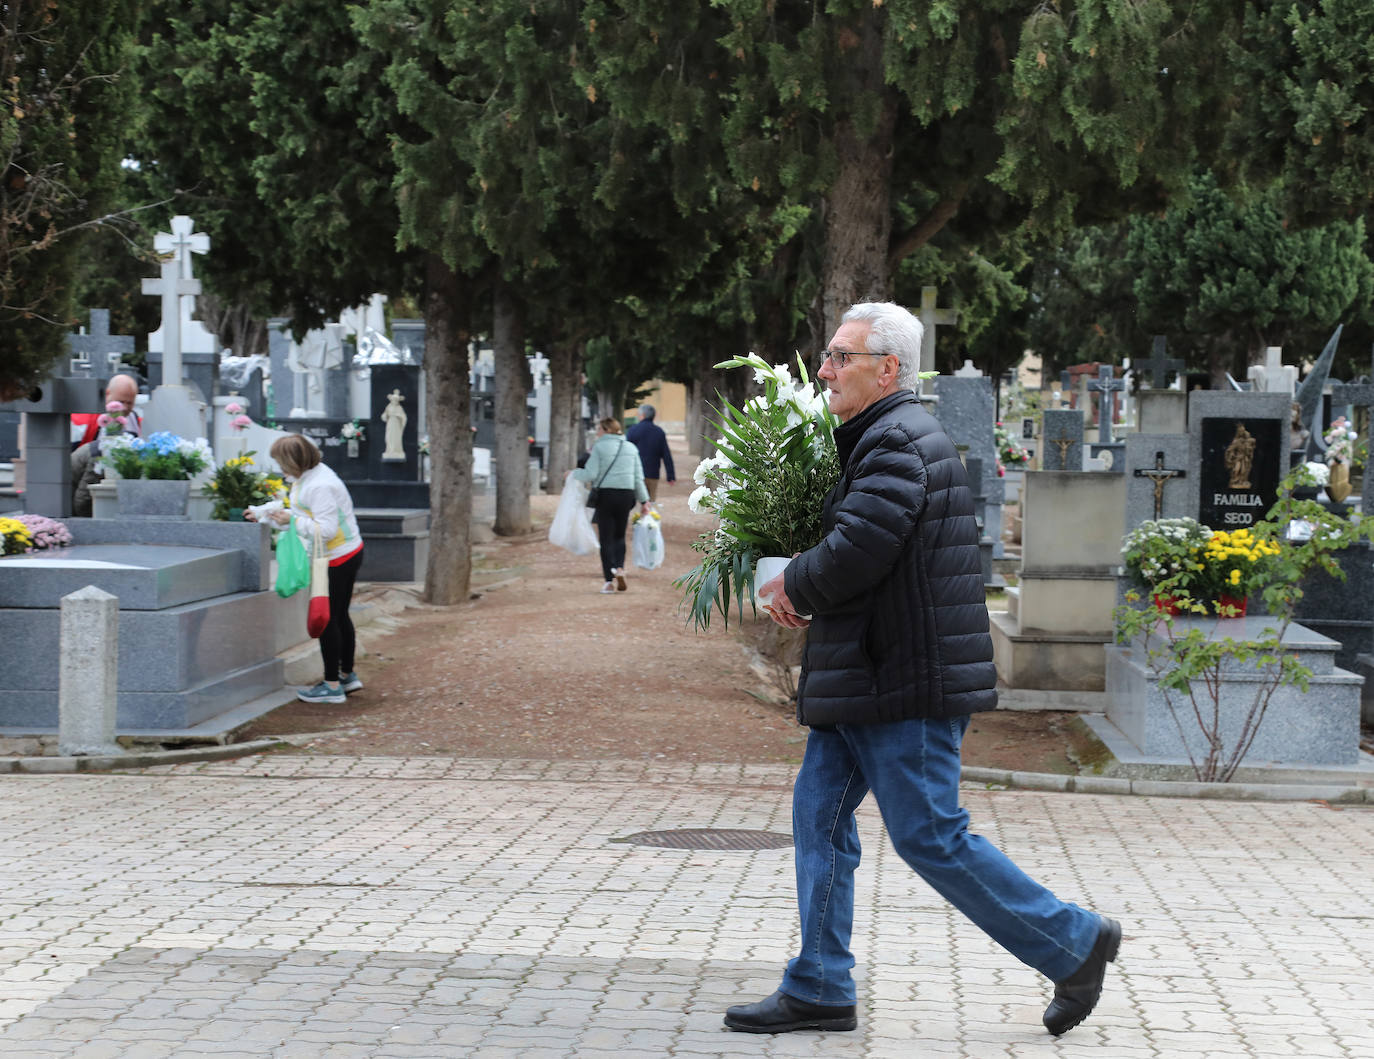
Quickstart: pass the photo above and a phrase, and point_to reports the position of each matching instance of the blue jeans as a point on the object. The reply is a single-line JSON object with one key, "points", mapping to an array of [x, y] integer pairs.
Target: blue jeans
{"points": [[912, 767]]}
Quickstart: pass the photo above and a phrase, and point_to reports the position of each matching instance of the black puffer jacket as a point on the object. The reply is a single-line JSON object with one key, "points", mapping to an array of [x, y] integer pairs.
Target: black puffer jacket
{"points": [[900, 627]]}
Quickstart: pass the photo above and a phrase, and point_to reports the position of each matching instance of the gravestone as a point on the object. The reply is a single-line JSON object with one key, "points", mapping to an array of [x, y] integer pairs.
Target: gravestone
{"points": [[198, 630], [48, 409], [932, 318], [1238, 447], [967, 416], [1059, 615], [280, 383], [1310, 394], [1157, 486], [1061, 447], [197, 355], [99, 350], [173, 406], [1160, 410], [1106, 386], [1273, 376], [9, 436], [973, 468], [409, 337], [1316, 725]]}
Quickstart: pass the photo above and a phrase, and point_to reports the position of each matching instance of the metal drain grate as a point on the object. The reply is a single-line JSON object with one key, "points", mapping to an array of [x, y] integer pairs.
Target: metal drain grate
{"points": [[709, 838]]}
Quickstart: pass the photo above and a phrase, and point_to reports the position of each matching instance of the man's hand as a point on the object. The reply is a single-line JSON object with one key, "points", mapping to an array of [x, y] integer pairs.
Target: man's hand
{"points": [[778, 606], [672, 481]]}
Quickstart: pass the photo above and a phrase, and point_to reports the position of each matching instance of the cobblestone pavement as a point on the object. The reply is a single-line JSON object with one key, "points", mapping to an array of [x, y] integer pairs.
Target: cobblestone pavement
{"points": [[383, 907]]}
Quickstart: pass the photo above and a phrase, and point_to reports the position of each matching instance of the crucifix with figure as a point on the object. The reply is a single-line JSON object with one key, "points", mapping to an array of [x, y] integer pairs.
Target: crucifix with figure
{"points": [[1107, 386], [1159, 474]]}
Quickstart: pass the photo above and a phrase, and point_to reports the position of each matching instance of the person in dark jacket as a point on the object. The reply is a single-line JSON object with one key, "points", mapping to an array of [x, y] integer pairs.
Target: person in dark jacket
{"points": [[648, 437], [898, 656]]}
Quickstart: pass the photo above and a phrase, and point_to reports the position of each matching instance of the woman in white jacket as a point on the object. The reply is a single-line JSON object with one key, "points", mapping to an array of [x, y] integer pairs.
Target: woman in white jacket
{"points": [[319, 500]]}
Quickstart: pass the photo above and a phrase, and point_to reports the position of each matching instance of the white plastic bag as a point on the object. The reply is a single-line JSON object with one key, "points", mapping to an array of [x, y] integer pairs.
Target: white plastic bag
{"points": [[646, 546], [571, 528]]}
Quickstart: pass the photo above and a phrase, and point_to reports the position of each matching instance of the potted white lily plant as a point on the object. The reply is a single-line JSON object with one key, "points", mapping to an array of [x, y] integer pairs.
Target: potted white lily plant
{"points": [[774, 464]]}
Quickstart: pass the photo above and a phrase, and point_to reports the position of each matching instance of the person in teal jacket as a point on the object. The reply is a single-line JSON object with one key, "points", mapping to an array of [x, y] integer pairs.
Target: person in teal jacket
{"points": [[614, 469]]}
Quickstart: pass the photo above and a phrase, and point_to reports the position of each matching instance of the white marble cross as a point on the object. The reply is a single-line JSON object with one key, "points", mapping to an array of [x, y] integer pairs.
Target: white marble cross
{"points": [[1274, 376], [192, 337], [931, 318], [181, 242], [171, 287]]}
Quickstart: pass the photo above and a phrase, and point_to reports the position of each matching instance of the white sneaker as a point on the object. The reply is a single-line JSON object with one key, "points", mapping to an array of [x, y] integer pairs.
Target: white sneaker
{"points": [[608, 589]]}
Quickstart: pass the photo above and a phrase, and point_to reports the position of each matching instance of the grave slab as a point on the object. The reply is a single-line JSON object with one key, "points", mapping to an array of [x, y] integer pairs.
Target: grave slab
{"points": [[142, 576], [1319, 726]]}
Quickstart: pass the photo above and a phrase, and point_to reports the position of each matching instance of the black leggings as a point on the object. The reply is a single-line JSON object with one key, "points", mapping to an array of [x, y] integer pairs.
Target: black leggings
{"points": [[613, 507], [338, 642]]}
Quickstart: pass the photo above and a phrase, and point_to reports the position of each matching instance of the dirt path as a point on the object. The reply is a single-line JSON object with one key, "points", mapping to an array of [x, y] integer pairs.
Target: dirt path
{"points": [[541, 665]]}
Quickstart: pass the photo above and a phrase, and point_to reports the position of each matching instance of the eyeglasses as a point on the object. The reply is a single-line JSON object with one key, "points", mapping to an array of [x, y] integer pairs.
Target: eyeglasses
{"points": [[840, 357]]}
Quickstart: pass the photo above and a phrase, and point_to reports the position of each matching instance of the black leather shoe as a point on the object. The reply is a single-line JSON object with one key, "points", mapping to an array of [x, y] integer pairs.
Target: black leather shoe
{"points": [[1076, 996], [781, 1013]]}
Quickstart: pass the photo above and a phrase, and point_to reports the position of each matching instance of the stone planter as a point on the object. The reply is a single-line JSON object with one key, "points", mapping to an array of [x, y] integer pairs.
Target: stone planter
{"points": [[152, 498]]}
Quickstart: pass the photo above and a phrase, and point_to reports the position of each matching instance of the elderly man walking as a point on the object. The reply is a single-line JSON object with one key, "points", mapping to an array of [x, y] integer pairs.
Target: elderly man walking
{"points": [[648, 437], [898, 656]]}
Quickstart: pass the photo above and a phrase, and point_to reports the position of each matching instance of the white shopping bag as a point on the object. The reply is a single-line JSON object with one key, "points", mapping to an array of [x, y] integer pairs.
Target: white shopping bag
{"points": [[572, 522], [646, 546]]}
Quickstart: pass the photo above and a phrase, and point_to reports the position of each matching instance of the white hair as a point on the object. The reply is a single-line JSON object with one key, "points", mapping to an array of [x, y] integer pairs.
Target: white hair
{"points": [[892, 329]]}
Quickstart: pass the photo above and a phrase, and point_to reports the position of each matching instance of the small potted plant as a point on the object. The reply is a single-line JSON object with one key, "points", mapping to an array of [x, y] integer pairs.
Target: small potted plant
{"points": [[46, 532], [237, 485], [1162, 557], [15, 537], [774, 463], [1236, 565]]}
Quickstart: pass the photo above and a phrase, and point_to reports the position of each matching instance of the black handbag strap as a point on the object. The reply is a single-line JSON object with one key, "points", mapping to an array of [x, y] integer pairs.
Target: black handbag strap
{"points": [[609, 465]]}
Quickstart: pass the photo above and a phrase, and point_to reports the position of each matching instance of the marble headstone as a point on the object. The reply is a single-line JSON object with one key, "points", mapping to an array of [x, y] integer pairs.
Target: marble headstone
{"points": [[1061, 446], [1237, 452], [966, 411]]}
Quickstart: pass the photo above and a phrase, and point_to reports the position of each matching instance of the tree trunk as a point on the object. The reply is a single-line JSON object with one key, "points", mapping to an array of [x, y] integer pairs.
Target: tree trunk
{"points": [[858, 213], [512, 422], [565, 407], [448, 407]]}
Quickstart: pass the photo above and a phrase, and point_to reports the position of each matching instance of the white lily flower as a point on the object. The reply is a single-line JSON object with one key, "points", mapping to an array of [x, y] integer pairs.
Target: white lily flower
{"points": [[697, 498]]}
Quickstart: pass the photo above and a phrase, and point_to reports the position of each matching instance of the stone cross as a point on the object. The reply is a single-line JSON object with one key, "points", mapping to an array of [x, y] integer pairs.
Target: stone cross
{"points": [[1273, 376], [181, 242], [1159, 366], [931, 318], [1159, 474], [1107, 385], [170, 288], [98, 340]]}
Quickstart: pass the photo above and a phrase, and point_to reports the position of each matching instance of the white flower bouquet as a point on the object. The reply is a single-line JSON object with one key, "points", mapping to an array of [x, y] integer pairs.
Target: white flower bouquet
{"points": [[774, 464]]}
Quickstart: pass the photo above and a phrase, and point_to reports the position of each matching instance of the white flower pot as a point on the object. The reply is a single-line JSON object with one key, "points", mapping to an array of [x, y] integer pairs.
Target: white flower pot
{"points": [[767, 568]]}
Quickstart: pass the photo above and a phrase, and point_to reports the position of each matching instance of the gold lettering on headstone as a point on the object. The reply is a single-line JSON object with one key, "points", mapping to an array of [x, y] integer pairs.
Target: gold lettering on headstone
{"points": [[1240, 455]]}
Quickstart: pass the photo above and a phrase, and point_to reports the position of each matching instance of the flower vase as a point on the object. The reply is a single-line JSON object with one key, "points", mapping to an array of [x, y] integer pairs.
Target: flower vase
{"points": [[1166, 605], [235, 514], [353, 448], [153, 497], [1339, 487], [1230, 607]]}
